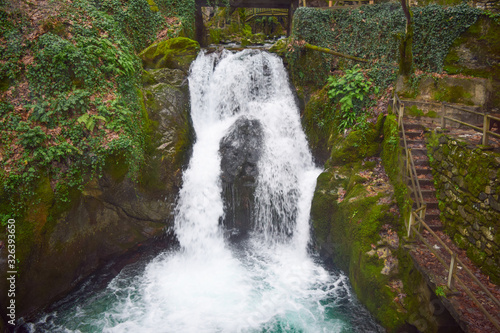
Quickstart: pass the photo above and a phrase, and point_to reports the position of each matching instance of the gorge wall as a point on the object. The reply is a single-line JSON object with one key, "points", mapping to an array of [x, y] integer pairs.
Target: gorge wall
{"points": [[468, 184]]}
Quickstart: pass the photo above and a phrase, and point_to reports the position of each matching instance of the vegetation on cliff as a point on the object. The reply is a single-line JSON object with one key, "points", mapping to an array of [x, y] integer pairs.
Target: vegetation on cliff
{"points": [[370, 32], [70, 77], [74, 124]]}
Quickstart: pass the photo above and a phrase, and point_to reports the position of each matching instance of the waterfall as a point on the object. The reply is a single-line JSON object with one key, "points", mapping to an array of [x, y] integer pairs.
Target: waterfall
{"points": [[266, 282]]}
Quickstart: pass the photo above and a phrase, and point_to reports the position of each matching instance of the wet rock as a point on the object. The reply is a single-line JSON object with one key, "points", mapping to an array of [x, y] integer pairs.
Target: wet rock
{"points": [[172, 53], [240, 152]]}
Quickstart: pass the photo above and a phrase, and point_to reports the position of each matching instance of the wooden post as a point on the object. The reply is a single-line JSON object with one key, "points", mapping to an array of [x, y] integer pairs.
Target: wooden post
{"points": [[330, 3], [422, 215], [304, 3], [486, 128], [443, 114], [410, 223], [451, 273], [291, 10]]}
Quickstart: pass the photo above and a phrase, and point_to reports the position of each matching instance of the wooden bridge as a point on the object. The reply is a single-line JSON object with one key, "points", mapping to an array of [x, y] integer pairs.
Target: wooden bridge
{"points": [[290, 5], [257, 12]]}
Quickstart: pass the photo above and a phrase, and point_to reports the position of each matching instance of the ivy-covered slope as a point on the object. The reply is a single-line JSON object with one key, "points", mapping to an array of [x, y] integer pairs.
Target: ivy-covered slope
{"points": [[373, 32], [77, 137], [69, 89]]}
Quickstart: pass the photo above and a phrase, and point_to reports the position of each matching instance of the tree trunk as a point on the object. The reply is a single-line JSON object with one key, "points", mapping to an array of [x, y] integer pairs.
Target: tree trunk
{"points": [[325, 50], [405, 48]]}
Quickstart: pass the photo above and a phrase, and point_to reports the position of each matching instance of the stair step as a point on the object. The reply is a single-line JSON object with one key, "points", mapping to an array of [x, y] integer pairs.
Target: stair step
{"points": [[415, 135], [412, 126], [426, 182], [435, 227], [422, 161], [431, 205], [419, 151], [426, 193]]}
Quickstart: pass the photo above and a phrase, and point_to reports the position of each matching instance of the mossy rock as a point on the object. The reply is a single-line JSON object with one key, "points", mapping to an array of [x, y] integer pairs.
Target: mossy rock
{"points": [[477, 51], [318, 123], [356, 146], [175, 53], [174, 77], [280, 47]]}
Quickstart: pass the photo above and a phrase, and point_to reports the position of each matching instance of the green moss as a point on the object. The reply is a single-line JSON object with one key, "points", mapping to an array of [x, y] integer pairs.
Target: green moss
{"points": [[116, 166], [477, 256], [318, 123], [152, 5], [432, 114], [280, 46], [323, 206], [147, 78], [453, 94], [357, 145], [492, 269], [482, 42], [172, 53], [461, 241], [415, 111]]}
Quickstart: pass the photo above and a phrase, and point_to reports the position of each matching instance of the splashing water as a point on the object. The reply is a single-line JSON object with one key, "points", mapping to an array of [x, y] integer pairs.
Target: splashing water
{"points": [[265, 283]]}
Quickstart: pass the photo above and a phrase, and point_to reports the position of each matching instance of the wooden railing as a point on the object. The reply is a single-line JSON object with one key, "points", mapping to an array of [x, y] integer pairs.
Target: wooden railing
{"points": [[411, 172], [339, 4], [416, 221], [486, 121], [485, 130], [256, 12]]}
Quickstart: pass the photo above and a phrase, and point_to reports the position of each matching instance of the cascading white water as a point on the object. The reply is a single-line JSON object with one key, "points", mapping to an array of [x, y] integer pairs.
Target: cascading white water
{"points": [[266, 283]]}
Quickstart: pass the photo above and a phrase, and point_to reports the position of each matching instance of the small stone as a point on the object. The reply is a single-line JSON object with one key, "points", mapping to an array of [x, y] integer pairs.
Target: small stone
{"points": [[494, 204], [478, 244], [462, 212], [463, 231], [470, 218], [371, 253], [476, 235], [487, 233], [487, 190], [463, 172], [482, 196], [488, 252]]}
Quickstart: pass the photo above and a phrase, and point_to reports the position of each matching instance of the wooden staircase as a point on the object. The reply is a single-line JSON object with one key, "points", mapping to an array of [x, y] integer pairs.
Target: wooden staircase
{"points": [[415, 141]]}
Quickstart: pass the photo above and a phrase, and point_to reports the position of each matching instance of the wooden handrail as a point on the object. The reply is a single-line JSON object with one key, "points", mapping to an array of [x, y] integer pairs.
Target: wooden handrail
{"points": [[417, 216], [486, 118], [455, 277]]}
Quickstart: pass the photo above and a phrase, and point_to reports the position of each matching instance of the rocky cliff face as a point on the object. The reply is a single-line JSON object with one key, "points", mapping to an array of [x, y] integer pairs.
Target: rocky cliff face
{"points": [[113, 214]]}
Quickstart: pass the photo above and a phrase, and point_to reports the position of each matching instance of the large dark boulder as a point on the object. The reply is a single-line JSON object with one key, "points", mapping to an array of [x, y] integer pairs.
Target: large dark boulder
{"points": [[240, 152]]}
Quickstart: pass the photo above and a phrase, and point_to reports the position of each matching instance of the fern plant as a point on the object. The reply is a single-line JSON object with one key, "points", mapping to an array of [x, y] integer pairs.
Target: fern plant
{"points": [[90, 120], [350, 91]]}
